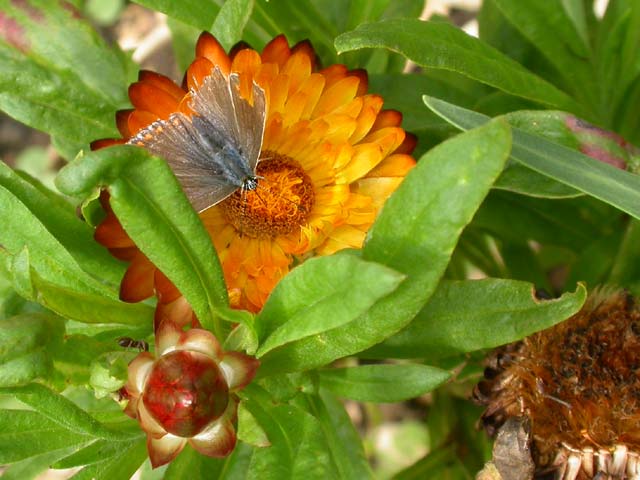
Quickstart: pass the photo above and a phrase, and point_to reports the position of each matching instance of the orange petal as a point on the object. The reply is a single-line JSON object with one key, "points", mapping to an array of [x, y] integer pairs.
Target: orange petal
{"points": [[345, 236], [408, 145], [298, 67], [163, 450], [106, 142], [147, 96], [111, 234], [165, 290], [388, 118], [162, 82], [197, 71], [365, 158], [137, 283], [388, 139], [362, 75], [396, 165], [247, 62], [334, 73], [340, 93], [367, 117], [304, 47], [140, 119], [209, 48], [122, 122], [277, 51], [378, 188]]}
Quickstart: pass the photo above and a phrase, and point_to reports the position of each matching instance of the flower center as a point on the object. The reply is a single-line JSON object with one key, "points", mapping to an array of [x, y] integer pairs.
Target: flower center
{"points": [[185, 391], [280, 204]]}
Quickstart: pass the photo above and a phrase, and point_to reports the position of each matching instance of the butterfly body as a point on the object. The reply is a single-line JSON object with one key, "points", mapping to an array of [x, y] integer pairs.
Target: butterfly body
{"points": [[214, 151]]}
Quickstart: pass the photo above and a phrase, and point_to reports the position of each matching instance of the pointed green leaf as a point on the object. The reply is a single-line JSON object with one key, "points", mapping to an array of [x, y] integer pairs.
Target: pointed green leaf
{"points": [[465, 316], [230, 22], [24, 434], [62, 411], [382, 383], [443, 46], [598, 179], [322, 294]]}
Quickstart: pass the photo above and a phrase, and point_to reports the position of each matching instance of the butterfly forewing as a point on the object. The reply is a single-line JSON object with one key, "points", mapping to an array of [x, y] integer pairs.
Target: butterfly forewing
{"points": [[215, 151], [250, 119]]}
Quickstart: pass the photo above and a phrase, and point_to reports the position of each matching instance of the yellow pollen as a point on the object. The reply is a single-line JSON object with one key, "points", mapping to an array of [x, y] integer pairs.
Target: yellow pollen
{"points": [[280, 204]]}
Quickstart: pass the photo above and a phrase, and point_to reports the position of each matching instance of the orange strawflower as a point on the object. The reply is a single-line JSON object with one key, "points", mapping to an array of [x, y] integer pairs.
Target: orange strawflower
{"points": [[330, 158]]}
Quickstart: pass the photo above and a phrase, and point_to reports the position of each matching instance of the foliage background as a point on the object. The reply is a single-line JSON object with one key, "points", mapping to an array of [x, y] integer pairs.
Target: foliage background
{"points": [[512, 201]]}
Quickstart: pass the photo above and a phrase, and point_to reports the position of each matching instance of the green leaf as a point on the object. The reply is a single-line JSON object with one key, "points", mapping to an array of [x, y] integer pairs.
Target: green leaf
{"points": [[298, 448], [31, 467], [153, 210], [345, 445], [25, 434], [547, 26], [123, 464], [230, 21], [598, 179], [199, 13], [25, 342], [27, 236], [443, 46], [382, 383], [60, 219], [415, 234], [62, 411], [57, 74], [464, 316], [320, 295], [191, 464], [89, 308]]}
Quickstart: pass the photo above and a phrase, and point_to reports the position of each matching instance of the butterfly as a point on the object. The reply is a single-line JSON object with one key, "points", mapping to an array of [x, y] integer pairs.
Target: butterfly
{"points": [[215, 151]]}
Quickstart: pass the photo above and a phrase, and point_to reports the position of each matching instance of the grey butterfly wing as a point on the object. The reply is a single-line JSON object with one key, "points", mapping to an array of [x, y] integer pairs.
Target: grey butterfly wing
{"points": [[219, 101], [250, 119], [191, 159], [212, 100]]}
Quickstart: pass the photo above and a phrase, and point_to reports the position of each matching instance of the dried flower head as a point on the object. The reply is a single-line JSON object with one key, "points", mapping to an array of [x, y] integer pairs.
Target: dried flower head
{"points": [[185, 393], [578, 385], [330, 157]]}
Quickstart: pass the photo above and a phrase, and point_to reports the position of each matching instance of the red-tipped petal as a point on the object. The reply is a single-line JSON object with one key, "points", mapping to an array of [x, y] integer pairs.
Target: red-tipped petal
{"points": [[148, 423], [167, 336], [276, 51], [200, 340], [138, 371], [209, 48], [218, 439], [163, 450], [162, 82], [146, 96], [239, 369]]}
